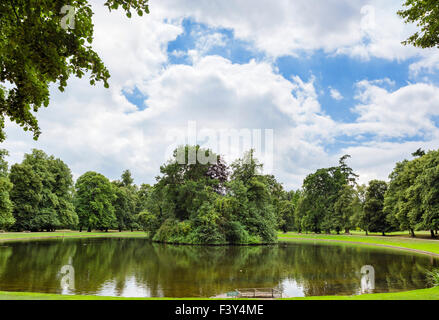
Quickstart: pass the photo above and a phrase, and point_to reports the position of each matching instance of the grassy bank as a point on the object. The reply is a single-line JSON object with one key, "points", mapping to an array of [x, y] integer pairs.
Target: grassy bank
{"points": [[396, 240], [17, 236], [424, 294]]}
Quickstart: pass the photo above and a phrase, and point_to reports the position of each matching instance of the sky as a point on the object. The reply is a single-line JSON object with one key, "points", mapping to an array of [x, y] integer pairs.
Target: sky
{"points": [[329, 77]]}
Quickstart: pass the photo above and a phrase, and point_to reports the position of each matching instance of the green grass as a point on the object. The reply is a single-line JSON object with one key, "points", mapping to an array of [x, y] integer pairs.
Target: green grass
{"points": [[423, 294], [395, 240], [17, 236], [4, 295]]}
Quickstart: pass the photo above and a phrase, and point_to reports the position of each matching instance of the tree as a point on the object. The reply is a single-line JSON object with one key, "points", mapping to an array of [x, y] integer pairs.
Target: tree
{"points": [[37, 49], [219, 172], [6, 217], [344, 209], [320, 189], [42, 193], [25, 196], [125, 203], [183, 183], [374, 219], [286, 215], [402, 202], [62, 189], [418, 153], [94, 198], [428, 185], [143, 194], [358, 218], [3, 163], [425, 13], [127, 180]]}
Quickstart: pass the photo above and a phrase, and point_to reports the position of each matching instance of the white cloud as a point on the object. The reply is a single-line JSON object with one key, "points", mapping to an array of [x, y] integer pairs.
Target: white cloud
{"points": [[335, 94], [359, 28], [404, 113], [429, 63], [376, 160]]}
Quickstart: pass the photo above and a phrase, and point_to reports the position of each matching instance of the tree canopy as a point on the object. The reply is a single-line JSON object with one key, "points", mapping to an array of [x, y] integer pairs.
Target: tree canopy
{"points": [[94, 199], [6, 217], [37, 49], [425, 13], [42, 193]]}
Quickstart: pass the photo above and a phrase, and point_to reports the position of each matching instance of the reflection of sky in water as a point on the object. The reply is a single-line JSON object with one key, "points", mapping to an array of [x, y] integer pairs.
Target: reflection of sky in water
{"points": [[291, 289], [132, 289]]}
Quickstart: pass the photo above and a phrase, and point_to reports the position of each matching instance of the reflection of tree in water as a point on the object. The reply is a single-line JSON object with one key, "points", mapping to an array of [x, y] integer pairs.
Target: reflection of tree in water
{"points": [[179, 271], [332, 270], [34, 265]]}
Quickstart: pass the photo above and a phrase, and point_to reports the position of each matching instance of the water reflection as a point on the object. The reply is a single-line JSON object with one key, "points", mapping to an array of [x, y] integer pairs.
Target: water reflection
{"points": [[137, 268]]}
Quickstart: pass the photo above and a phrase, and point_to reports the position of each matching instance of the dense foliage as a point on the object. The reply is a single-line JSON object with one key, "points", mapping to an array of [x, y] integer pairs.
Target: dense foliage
{"points": [[425, 13], [6, 217], [200, 202], [42, 193], [37, 50]]}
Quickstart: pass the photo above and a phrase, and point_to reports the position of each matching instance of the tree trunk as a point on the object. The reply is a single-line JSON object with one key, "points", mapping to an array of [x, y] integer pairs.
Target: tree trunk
{"points": [[347, 231], [412, 233], [432, 234], [366, 233], [120, 229], [384, 234], [106, 229], [89, 229], [80, 229]]}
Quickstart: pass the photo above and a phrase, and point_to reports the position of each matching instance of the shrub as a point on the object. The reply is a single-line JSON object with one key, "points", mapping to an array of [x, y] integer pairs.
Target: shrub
{"points": [[236, 233], [433, 277]]}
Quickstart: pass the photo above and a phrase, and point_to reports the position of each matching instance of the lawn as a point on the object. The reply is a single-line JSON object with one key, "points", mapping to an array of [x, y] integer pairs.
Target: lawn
{"points": [[424, 294], [16, 236], [398, 240]]}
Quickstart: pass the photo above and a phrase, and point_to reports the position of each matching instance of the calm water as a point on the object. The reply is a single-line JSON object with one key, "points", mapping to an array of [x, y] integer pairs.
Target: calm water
{"points": [[137, 268]]}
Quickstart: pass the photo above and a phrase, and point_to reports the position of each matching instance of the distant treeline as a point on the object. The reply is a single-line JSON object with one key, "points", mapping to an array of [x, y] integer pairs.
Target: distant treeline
{"points": [[198, 203]]}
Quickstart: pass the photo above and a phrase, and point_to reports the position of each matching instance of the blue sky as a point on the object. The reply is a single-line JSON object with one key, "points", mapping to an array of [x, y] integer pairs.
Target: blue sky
{"points": [[329, 79]]}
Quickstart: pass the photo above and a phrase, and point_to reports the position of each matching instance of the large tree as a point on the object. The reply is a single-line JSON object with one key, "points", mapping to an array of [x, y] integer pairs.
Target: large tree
{"points": [[40, 45], [6, 217], [403, 202], [374, 217], [344, 209], [26, 196], [425, 13], [126, 202], [94, 198], [427, 184], [321, 191], [42, 193]]}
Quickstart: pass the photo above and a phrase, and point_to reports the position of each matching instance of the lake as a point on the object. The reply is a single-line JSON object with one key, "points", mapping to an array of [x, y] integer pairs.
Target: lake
{"points": [[138, 268]]}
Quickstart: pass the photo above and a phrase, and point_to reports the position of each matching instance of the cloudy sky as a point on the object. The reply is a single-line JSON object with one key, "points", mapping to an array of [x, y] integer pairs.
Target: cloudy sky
{"points": [[329, 76]]}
